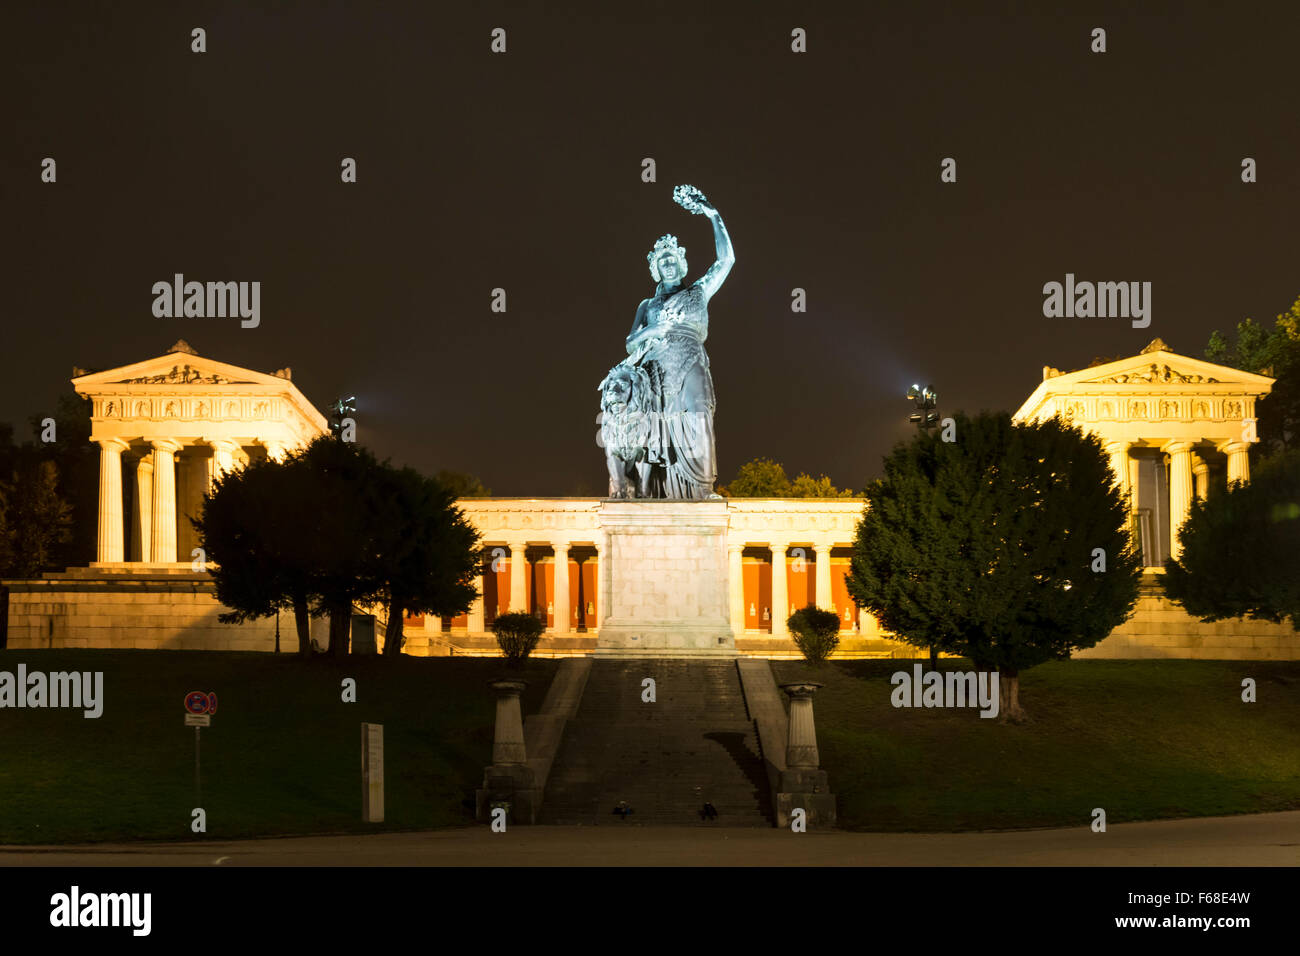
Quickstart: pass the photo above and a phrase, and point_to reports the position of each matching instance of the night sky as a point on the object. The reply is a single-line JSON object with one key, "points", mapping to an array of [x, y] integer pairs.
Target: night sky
{"points": [[523, 171]]}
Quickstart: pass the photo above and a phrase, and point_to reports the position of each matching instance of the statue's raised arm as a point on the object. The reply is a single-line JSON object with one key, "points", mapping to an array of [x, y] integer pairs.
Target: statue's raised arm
{"points": [[692, 200]]}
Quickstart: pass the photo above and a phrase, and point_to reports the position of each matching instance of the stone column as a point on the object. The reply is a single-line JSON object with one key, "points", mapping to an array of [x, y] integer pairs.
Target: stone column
{"points": [[110, 500], [1180, 489], [518, 579], [141, 541], [508, 740], [780, 589], [736, 587], [474, 622], [275, 450], [801, 744], [560, 617], [1238, 460], [822, 570], [1201, 473], [163, 548], [602, 601], [223, 457], [1118, 452]]}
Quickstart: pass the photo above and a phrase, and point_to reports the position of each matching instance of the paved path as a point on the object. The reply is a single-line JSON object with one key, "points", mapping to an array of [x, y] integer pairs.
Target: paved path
{"points": [[1268, 839]]}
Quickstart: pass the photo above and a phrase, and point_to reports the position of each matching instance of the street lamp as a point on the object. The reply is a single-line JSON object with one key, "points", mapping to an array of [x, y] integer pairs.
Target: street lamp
{"points": [[926, 399], [342, 408]]}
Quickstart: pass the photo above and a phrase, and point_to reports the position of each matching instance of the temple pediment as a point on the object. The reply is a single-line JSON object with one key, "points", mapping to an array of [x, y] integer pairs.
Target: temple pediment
{"points": [[180, 366], [1154, 393], [1157, 365]]}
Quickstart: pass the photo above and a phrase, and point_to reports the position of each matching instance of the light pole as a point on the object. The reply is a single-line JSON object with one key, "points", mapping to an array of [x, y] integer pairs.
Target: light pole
{"points": [[923, 418], [342, 408], [926, 399]]}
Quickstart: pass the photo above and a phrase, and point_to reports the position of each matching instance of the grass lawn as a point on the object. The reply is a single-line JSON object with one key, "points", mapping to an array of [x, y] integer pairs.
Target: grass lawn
{"points": [[283, 755], [1141, 739]]}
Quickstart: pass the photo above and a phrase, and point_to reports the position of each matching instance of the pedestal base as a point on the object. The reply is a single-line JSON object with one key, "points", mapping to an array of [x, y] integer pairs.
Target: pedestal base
{"points": [[664, 585]]}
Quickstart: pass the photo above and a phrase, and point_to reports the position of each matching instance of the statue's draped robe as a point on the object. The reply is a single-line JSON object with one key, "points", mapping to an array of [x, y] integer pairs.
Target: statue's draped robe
{"points": [[680, 445]]}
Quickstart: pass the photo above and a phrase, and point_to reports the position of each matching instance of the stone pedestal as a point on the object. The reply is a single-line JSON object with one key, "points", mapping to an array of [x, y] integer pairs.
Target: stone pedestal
{"points": [[509, 779], [664, 588], [803, 784]]}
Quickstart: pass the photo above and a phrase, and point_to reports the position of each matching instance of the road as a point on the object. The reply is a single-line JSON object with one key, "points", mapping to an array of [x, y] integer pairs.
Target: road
{"points": [[1269, 839]]}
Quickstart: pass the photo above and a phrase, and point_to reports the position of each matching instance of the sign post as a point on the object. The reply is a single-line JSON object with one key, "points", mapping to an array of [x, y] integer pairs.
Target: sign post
{"points": [[372, 773], [199, 708]]}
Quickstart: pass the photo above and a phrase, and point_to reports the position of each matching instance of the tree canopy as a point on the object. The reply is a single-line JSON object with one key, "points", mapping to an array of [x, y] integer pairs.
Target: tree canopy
{"points": [[1009, 545], [765, 478], [1274, 352], [1241, 548], [330, 527]]}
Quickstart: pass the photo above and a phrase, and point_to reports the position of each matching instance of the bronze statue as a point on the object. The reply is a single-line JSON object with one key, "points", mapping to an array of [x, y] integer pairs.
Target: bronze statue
{"points": [[657, 404]]}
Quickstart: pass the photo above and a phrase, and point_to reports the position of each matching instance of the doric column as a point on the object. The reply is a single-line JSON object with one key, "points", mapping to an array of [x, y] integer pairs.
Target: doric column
{"points": [[163, 548], [560, 616], [1201, 474], [518, 579], [1238, 460], [736, 587], [1180, 489], [223, 457], [780, 589], [1118, 452], [275, 450], [822, 569], [110, 500], [599, 598], [142, 519], [474, 622]]}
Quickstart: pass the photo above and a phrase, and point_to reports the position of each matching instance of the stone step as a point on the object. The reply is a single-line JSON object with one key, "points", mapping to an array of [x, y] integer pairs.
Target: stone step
{"points": [[695, 742]]}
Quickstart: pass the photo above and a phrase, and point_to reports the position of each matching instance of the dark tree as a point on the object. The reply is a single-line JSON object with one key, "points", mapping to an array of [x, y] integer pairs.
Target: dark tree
{"points": [[994, 545], [462, 485], [34, 520], [427, 550], [339, 481], [257, 528], [77, 460], [1241, 548], [1274, 352]]}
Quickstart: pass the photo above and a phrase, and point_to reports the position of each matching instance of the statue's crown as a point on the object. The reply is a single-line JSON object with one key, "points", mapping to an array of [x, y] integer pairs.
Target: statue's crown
{"points": [[665, 242]]}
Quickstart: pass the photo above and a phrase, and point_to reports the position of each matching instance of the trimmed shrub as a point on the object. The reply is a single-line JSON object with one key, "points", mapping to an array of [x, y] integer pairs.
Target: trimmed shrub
{"points": [[517, 634], [816, 632]]}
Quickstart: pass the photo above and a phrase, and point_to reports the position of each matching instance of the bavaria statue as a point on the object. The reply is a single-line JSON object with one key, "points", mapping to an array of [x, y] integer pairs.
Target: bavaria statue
{"points": [[656, 421]]}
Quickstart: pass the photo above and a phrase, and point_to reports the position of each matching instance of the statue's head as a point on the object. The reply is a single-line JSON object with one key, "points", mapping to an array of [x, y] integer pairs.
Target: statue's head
{"points": [[667, 260]]}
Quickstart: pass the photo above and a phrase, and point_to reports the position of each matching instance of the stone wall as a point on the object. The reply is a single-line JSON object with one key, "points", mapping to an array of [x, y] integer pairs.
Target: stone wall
{"points": [[147, 610], [1160, 628]]}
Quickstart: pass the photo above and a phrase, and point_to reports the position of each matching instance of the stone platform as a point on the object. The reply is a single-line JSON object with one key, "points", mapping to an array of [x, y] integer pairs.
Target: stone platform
{"points": [[138, 606], [665, 588]]}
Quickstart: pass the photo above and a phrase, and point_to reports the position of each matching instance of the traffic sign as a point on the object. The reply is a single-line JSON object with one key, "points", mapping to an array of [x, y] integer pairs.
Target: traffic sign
{"points": [[198, 720], [196, 702], [212, 702]]}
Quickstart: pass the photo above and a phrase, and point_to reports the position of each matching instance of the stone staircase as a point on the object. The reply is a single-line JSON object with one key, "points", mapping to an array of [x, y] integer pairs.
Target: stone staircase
{"points": [[697, 742]]}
